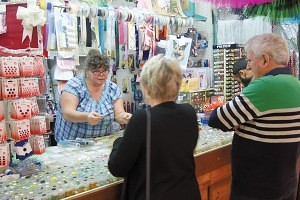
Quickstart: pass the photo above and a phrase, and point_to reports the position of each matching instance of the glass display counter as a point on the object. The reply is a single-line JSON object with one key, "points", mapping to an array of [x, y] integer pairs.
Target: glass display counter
{"points": [[73, 172]]}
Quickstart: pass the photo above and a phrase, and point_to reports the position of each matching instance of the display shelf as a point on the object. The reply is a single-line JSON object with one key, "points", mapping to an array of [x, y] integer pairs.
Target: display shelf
{"points": [[224, 58], [72, 172]]}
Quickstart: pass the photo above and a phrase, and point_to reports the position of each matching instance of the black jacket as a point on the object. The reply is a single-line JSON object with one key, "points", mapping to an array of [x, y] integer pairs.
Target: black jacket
{"points": [[174, 134]]}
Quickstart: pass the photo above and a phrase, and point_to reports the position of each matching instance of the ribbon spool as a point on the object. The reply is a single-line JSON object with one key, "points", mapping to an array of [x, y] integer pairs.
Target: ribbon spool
{"points": [[148, 18], [43, 4], [85, 9], [140, 18], [79, 11], [134, 17], [111, 12], [124, 14], [118, 14], [73, 8], [104, 12], [93, 12]]}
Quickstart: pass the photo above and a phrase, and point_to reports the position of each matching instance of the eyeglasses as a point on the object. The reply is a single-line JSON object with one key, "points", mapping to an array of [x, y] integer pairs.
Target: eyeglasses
{"points": [[98, 73]]}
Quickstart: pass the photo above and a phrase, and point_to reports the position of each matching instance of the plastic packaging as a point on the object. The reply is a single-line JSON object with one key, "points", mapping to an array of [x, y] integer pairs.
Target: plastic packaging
{"points": [[78, 142], [85, 142]]}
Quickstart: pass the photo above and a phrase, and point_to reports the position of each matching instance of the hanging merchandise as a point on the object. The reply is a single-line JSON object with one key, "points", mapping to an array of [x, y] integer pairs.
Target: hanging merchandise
{"points": [[26, 66], [236, 3], [131, 36], [29, 87], [38, 145], [276, 10], [138, 38], [290, 32], [3, 133], [22, 79], [125, 86], [193, 34], [162, 32], [137, 93], [202, 41], [101, 29], [66, 31], [31, 16], [34, 106], [116, 50], [62, 75], [179, 48], [9, 67], [20, 129], [128, 108], [123, 26], [2, 113], [131, 63], [161, 47], [10, 88], [109, 33], [292, 62], [4, 154], [163, 7], [51, 44], [83, 13], [65, 60], [20, 109], [11, 41], [229, 30], [3, 26]]}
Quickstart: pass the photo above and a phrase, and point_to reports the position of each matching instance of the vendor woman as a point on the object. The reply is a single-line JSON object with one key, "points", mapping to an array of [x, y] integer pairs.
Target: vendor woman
{"points": [[90, 103]]}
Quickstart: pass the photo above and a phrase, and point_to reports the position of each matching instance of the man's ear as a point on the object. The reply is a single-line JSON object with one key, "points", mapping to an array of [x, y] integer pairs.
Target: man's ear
{"points": [[242, 73], [266, 59]]}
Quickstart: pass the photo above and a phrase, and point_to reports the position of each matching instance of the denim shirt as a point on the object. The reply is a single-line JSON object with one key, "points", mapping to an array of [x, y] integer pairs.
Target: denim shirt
{"points": [[65, 130]]}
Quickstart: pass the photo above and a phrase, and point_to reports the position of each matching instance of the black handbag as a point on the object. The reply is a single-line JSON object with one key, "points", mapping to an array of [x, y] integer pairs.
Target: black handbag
{"points": [[148, 159]]}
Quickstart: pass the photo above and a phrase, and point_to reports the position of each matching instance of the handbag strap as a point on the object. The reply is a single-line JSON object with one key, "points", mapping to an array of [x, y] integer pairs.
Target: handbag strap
{"points": [[148, 153]]}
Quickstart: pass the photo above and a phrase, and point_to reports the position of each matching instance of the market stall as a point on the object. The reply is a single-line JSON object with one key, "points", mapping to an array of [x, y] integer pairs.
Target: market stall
{"points": [[80, 171]]}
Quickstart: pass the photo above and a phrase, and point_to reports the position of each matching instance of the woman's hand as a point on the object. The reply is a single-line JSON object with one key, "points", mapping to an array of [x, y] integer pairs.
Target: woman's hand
{"points": [[124, 117], [94, 118]]}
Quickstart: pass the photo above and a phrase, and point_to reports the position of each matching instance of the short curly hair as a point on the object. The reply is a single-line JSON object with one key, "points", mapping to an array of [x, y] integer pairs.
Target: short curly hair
{"points": [[162, 77], [95, 60]]}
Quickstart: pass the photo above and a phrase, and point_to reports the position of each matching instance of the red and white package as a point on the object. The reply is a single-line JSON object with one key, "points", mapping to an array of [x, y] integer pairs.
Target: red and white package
{"points": [[20, 130], [37, 143]]}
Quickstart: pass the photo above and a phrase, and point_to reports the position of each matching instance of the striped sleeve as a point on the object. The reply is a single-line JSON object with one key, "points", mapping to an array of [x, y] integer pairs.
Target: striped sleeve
{"points": [[236, 112], [268, 110]]}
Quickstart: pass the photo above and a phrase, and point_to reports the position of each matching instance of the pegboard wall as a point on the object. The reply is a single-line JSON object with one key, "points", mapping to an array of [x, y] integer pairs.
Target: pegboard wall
{"points": [[124, 75]]}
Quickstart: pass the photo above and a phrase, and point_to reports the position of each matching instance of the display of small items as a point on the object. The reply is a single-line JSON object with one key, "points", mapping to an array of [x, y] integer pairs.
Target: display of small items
{"points": [[21, 81], [198, 99], [224, 58]]}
